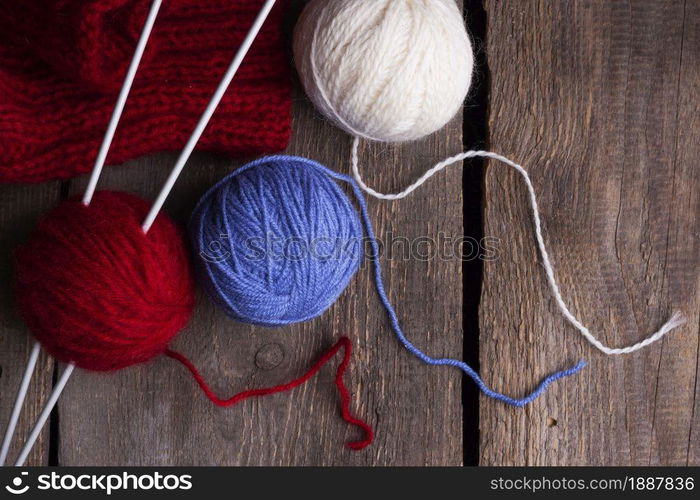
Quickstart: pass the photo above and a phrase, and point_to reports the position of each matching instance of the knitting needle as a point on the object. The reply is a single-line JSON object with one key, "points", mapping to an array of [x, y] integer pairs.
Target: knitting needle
{"points": [[19, 402], [121, 102], [208, 112], [87, 198], [67, 371], [184, 156]]}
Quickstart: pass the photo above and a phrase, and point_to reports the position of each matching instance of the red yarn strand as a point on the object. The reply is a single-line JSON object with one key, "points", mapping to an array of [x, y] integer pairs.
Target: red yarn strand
{"points": [[343, 343]]}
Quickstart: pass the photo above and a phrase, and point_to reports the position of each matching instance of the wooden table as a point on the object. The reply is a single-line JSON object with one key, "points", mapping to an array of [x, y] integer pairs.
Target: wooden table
{"points": [[600, 100]]}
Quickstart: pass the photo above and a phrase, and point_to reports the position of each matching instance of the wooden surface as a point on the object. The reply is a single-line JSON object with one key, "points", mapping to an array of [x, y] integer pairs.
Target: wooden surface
{"points": [[600, 101]]}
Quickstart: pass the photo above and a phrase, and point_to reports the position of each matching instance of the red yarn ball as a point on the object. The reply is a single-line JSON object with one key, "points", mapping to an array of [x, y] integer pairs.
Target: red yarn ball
{"points": [[98, 292]]}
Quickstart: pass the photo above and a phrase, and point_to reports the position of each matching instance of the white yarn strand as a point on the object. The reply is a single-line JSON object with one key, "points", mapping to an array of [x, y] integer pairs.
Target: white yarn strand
{"points": [[675, 320]]}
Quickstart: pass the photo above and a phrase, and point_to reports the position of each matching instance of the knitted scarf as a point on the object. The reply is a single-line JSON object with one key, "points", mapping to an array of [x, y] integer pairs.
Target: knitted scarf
{"points": [[62, 63]]}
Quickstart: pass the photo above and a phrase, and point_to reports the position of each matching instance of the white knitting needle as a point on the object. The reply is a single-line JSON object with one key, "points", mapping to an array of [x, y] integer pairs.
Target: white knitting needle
{"points": [[19, 402], [87, 198], [27, 448], [184, 156], [121, 102], [208, 112]]}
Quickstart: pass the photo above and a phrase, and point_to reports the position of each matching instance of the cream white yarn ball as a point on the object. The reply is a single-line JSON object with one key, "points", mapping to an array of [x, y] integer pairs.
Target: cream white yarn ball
{"points": [[385, 70]]}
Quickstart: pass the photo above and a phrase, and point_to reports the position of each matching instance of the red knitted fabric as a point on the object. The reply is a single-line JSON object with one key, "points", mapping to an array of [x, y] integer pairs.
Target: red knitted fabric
{"points": [[62, 63], [98, 292]]}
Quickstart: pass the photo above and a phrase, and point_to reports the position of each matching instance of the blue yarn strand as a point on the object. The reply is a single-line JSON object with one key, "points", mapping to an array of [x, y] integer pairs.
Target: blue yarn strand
{"points": [[396, 327], [325, 284]]}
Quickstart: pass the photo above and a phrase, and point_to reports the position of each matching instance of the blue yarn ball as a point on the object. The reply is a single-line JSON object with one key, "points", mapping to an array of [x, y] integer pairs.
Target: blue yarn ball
{"points": [[277, 241]]}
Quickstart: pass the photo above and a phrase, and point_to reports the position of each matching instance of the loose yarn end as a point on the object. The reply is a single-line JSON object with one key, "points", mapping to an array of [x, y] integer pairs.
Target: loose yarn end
{"points": [[344, 343]]}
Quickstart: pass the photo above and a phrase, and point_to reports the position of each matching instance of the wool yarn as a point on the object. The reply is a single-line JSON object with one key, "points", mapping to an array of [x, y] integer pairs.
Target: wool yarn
{"points": [[298, 199], [385, 70], [62, 62], [343, 343], [276, 243], [98, 292]]}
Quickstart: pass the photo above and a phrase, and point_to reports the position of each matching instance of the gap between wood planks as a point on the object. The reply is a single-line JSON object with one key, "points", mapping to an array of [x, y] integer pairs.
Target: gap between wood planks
{"points": [[475, 135], [53, 424]]}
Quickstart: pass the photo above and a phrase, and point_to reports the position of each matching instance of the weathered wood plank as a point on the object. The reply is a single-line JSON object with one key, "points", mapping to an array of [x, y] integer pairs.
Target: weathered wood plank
{"points": [[599, 100], [22, 206], [155, 415]]}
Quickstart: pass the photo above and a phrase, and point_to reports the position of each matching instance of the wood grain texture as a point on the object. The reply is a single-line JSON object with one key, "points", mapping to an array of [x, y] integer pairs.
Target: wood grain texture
{"points": [[155, 415], [21, 208], [599, 101]]}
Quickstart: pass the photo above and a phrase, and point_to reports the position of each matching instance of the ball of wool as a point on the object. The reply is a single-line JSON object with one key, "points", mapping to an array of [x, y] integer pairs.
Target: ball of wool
{"points": [[98, 292], [387, 70], [276, 242]]}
